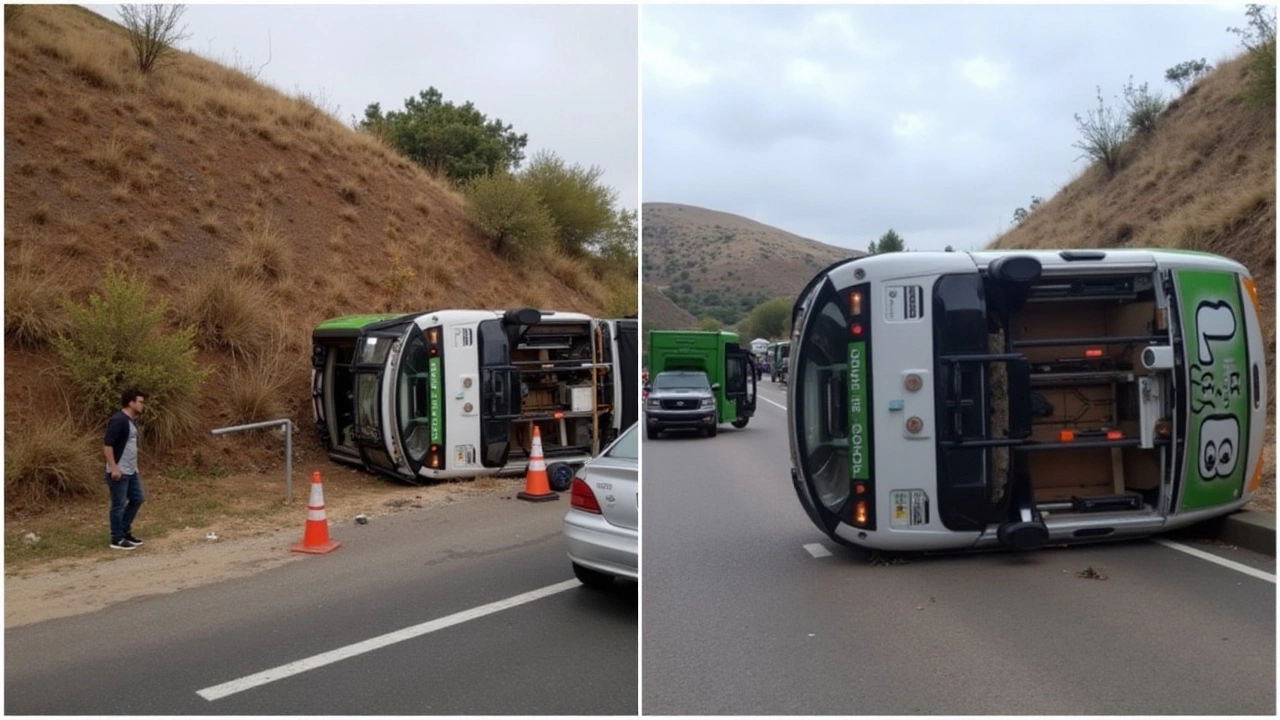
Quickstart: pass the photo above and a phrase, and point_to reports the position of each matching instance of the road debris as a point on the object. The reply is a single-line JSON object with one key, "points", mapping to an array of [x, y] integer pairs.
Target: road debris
{"points": [[1091, 573], [362, 519]]}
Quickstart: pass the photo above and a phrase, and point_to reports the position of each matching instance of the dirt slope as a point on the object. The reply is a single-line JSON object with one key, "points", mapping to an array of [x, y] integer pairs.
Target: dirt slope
{"points": [[173, 174]]}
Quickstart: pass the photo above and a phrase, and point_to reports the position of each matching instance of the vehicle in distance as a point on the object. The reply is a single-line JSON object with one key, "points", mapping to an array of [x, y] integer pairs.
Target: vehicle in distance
{"points": [[680, 400], [728, 368], [601, 525]]}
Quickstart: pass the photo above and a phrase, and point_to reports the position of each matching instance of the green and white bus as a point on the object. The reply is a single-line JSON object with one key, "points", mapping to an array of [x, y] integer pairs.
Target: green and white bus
{"points": [[969, 400], [457, 393]]}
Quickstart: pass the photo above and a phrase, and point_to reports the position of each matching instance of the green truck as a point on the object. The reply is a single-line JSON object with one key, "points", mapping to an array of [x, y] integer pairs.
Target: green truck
{"points": [[678, 396]]}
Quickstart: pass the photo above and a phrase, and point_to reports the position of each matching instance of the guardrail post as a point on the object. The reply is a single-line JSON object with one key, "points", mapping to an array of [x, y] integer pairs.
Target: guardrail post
{"points": [[288, 447]]}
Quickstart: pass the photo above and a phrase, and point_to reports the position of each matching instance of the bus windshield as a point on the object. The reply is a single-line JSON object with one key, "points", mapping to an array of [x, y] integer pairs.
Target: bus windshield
{"points": [[413, 391]]}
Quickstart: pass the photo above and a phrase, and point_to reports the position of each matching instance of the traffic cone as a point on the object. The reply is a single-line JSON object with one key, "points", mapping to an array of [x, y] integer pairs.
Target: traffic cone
{"points": [[316, 537], [537, 487]]}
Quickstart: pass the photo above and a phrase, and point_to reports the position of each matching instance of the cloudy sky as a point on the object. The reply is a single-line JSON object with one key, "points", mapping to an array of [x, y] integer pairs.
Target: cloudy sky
{"points": [[565, 75], [839, 123]]}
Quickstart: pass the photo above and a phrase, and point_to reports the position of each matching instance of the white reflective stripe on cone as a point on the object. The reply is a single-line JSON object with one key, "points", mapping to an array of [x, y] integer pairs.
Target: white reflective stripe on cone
{"points": [[317, 495], [537, 464], [315, 514]]}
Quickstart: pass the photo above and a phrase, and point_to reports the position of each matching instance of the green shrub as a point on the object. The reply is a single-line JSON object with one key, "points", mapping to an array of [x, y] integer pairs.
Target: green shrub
{"points": [[1144, 107], [117, 340], [510, 215], [47, 460]]}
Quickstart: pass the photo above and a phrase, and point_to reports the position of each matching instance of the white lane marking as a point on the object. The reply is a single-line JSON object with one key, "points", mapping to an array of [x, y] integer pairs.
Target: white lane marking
{"points": [[1232, 564], [761, 397], [817, 550], [300, 666]]}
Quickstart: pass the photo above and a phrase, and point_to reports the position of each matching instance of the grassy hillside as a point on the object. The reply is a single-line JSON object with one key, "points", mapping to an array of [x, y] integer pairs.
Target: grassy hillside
{"points": [[1205, 179], [662, 314], [224, 197], [716, 263]]}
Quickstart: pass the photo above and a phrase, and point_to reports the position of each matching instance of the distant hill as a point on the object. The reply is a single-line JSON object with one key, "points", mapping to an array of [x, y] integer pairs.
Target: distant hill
{"points": [[716, 263], [1205, 179]]}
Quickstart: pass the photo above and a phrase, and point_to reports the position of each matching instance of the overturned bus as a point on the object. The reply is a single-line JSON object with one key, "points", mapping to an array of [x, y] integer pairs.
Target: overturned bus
{"points": [[967, 400], [458, 393]]}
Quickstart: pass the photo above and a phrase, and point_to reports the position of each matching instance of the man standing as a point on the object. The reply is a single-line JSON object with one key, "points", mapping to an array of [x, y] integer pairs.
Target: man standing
{"points": [[120, 447]]}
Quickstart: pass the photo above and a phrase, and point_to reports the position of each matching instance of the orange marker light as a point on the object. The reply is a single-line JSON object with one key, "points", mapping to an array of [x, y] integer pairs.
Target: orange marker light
{"points": [[1093, 353], [1253, 294], [860, 515], [855, 303], [1066, 435], [1115, 435]]}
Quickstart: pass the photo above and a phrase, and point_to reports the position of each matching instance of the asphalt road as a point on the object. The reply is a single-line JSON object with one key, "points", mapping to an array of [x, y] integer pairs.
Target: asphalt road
{"points": [[572, 651], [741, 618]]}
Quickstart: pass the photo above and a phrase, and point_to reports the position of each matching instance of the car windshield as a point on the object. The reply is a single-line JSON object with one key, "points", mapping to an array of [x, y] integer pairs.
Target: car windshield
{"points": [[627, 447], [681, 381]]}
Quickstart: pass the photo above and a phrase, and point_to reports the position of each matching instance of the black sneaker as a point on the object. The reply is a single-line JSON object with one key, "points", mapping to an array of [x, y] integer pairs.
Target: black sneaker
{"points": [[132, 539], [123, 544]]}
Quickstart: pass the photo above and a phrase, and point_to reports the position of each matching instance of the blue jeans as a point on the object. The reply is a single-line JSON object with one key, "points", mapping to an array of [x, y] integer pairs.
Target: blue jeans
{"points": [[126, 498]]}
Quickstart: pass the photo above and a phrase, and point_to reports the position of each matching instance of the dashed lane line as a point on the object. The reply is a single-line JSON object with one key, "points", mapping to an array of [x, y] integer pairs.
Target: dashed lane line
{"points": [[300, 666], [817, 550], [1232, 564]]}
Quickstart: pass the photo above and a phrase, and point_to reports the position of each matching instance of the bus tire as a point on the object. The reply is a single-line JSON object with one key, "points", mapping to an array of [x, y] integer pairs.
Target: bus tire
{"points": [[740, 423], [711, 431], [560, 476]]}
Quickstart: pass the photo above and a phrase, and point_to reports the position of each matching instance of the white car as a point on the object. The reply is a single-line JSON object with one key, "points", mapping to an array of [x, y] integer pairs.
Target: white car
{"points": [[602, 525]]}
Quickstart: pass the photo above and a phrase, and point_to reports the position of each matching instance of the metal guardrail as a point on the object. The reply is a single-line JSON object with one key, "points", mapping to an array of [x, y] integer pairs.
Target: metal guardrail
{"points": [[288, 447]]}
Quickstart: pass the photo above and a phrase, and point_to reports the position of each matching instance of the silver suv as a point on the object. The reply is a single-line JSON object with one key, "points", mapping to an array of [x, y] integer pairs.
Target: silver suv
{"points": [[680, 399]]}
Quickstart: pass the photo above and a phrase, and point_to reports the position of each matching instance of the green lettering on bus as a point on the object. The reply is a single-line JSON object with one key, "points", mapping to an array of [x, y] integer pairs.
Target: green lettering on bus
{"points": [[858, 446], [437, 401]]}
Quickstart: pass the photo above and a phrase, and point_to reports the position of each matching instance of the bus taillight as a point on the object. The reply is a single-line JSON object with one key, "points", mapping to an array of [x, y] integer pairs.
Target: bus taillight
{"points": [[1093, 353], [856, 329], [435, 458], [860, 514], [855, 303]]}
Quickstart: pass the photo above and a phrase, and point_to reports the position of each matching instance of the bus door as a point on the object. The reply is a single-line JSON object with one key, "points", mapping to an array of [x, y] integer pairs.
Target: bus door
{"points": [[740, 382], [370, 431]]}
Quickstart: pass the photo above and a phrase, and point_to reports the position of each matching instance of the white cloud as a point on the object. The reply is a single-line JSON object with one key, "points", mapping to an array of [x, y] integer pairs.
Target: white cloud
{"points": [[910, 125], [984, 73], [663, 65]]}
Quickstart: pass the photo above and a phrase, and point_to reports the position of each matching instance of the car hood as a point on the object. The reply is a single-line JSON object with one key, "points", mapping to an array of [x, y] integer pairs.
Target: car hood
{"points": [[680, 393]]}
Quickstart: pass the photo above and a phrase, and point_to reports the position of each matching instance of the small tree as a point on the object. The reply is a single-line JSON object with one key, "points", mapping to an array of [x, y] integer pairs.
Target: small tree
{"points": [[948, 249], [889, 242], [1144, 107], [1260, 40], [769, 319], [1104, 134], [1023, 213], [1186, 73], [457, 141], [153, 31], [509, 214]]}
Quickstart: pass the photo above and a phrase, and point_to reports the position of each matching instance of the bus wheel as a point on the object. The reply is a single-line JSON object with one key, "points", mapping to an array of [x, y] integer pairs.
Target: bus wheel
{"points": [[560, 475], [740, 423]]}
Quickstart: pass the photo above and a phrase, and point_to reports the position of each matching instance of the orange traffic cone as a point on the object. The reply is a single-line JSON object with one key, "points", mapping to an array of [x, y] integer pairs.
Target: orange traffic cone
{"points": [[316, 537], [537, 487]]}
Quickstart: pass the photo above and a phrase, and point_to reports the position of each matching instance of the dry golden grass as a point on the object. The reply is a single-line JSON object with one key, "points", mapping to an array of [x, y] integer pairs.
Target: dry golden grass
{"points": [[49, 461], [255, 390], [228, 312], [264, 253], [33, 313]]}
